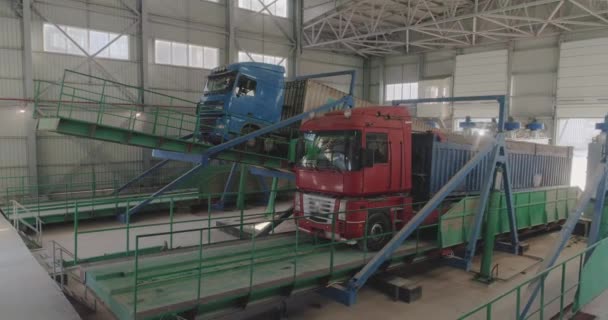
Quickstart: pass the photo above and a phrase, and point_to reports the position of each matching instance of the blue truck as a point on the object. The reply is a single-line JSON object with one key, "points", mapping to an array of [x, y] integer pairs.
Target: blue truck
{"points": [[243, 97]]}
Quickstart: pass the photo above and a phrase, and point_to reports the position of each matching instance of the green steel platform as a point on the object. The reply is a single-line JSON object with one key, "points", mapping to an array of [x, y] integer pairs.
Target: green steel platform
{"points": [[62, 210], [209, 277], [231, 274], [107, 110]]}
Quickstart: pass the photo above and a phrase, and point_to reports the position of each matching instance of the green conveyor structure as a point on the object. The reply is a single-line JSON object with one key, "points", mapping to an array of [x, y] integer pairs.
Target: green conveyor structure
{"points": [[231, 274], [108, 111], [213, 277], [101, 206]]}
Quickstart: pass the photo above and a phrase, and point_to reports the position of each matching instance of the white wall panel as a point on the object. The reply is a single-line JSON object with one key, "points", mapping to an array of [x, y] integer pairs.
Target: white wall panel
{"points": [[10, 64], [11, 89], [262, 23], [12, 122], [483, 73], [13, 152], [197, 11], [313, 62], [10, 37], [583, 77], [535, 60], [62, 150], [177, 78]]}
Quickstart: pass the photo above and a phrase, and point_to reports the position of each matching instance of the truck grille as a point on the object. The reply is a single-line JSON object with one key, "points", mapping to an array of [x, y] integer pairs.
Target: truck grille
{"points": [[318, 208]]}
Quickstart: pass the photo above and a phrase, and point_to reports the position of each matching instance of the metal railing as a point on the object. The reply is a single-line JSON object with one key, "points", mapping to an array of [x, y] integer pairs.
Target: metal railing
{"points": [[259, 253], [552, 302], [202, 264], [105, 102], [58, 268], [171, 201], [17, 216], [94, 188]]}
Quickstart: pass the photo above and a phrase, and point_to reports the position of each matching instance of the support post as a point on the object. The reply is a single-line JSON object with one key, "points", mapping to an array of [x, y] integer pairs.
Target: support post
{"points": [[485, 272], [143, 66], [28, 93], [240, 199], [270, 208], [227, 187], [600, 174], [163, 190]]}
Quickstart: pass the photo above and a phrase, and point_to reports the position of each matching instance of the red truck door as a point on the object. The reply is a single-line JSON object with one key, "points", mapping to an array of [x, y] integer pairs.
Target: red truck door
{"points": [[376, 175]]}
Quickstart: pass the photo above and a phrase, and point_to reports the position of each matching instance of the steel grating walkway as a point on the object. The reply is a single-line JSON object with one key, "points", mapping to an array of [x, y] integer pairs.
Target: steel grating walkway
{"points": [[231, 275]]}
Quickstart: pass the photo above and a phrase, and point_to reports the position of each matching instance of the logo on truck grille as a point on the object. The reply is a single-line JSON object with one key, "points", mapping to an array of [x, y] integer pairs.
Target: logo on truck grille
{"points": [[318, 208]]}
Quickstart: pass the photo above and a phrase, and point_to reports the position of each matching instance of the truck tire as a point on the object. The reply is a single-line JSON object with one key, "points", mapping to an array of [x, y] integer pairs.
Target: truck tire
{"points": [[377, 224]]}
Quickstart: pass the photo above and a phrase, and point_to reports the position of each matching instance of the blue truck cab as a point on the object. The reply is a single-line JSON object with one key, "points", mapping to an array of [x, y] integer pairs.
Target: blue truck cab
{"points": [[240, 98]]}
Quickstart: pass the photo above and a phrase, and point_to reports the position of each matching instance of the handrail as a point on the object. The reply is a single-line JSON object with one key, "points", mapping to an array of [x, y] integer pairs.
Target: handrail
{"points": [[18, 221], [540, 276], [56, 247]]}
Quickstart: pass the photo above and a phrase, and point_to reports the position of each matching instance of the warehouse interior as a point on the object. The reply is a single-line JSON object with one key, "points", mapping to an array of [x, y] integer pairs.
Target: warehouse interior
{"points": [[303, 159]]}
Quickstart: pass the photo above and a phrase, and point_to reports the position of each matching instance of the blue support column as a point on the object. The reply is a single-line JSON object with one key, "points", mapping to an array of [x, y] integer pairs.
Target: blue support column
{"points": [[599, 183], [162, 191], [141, 176], [506, 179], [227, 187], [347, 294]]}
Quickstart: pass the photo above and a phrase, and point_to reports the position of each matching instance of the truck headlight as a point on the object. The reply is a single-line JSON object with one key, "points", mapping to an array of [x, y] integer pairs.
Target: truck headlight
{"points": [[342, 210]]}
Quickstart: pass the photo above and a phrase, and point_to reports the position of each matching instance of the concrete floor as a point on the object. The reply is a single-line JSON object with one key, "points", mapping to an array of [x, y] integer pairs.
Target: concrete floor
{"points": [[26, 290], [446, 292]]}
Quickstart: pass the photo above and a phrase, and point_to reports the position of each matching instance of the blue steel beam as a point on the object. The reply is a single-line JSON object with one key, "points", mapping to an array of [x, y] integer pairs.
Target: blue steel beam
{"points": [[348, 100], [357, 281], [227, 187], [163, 190], [272, 173], [499, 161], [506, 180], [564, 235], [599, 184], [141, 176], [481, 208], [206, 156], [501, 99], [149, 171], [347, 295]]}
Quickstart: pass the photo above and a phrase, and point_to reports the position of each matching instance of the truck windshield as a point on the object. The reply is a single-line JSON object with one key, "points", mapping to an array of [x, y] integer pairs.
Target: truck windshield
{"points": [[220, 83], [338, 150]]}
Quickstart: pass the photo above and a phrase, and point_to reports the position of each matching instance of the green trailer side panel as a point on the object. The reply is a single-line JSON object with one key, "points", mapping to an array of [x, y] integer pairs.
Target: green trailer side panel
{"points": [[532, 208], [593, 280], [537, 212]]}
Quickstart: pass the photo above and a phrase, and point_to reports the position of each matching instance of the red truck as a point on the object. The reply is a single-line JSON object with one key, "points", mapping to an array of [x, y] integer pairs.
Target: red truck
{"points": [[369, 160]]}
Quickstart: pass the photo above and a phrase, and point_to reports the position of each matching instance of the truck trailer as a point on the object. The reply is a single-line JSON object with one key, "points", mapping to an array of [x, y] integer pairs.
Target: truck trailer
{"points": [[370, 161]]}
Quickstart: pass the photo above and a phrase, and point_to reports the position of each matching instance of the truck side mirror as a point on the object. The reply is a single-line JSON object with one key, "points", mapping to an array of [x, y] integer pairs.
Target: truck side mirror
{"points": [[368, 158]]}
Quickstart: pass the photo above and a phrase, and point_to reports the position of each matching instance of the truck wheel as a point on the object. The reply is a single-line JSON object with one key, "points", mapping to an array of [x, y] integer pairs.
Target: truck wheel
{"points": [[378, 232]]}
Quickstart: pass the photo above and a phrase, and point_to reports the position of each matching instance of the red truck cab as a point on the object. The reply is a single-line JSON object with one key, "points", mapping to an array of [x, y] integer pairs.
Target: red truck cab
{"points": [[356, 162]]}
